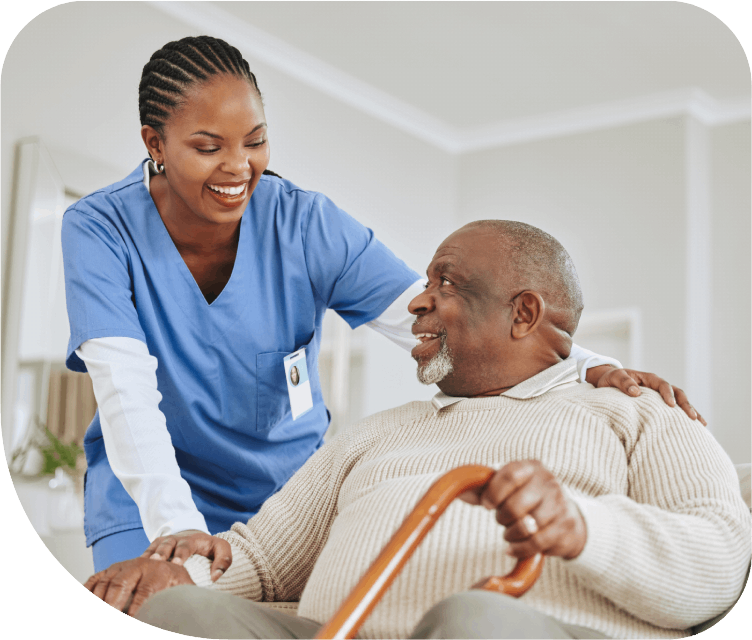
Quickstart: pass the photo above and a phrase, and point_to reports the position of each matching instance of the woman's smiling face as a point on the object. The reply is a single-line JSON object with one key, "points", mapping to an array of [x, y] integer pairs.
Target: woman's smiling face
{"points": [[214, 148]]}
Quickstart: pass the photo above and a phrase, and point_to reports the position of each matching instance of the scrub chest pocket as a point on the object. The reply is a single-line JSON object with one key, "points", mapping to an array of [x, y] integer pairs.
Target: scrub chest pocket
{"points": [[272, 401]]}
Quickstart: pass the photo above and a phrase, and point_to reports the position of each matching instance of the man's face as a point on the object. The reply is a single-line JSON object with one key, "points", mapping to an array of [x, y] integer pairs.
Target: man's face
{"points": [[463, 323]]}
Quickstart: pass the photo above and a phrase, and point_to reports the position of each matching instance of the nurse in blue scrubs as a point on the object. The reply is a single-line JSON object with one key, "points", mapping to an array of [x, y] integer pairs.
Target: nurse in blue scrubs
{"points": [[188, 284]]}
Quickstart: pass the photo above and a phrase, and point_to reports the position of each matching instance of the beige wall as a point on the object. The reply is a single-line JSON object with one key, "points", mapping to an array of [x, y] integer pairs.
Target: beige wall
{"points": [[731, 207]]}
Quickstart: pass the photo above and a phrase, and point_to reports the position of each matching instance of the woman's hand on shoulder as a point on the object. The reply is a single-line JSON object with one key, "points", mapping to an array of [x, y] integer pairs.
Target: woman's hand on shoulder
{"points": [[627, 381], [178, 547]]}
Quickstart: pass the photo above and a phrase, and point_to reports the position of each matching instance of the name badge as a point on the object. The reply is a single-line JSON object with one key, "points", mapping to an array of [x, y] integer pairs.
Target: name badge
{"points": [[298, 385]]}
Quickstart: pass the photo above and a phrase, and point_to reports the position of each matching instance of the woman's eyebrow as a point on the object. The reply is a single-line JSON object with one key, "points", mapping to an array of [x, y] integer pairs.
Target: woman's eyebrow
{"points": [[218, 137]]}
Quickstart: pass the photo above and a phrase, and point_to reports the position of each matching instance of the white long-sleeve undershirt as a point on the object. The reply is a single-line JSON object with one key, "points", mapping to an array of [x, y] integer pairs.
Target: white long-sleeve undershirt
{"points": [[136, 439]]}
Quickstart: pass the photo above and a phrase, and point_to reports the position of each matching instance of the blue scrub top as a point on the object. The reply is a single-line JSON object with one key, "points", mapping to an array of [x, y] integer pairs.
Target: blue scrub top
{"points": [[220, 372]]}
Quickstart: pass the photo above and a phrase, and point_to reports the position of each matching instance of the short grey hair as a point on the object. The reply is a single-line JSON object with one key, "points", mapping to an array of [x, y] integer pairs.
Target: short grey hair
{"points": [[540, 264]]}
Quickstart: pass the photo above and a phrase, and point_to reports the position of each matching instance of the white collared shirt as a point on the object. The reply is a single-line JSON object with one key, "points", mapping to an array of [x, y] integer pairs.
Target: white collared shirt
{"points": [[556, 378]]}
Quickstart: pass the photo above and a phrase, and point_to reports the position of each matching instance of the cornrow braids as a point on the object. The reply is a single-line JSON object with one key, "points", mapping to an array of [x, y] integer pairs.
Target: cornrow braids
{"points": [[207, 50], [180, 64]]}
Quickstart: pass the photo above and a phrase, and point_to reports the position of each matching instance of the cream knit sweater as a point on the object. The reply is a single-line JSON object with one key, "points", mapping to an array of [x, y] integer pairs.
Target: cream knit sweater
{"points": [[668, 533]]}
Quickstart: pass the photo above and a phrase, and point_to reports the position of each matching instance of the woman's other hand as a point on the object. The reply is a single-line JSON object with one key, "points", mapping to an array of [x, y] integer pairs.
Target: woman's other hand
{"points": [[127, 585], [178, 547], [627, 381]]}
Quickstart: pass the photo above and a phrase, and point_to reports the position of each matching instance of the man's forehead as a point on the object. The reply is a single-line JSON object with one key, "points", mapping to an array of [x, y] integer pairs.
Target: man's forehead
{"points": [[446, 257], [469, 255], [445, 250], [464, 244]]}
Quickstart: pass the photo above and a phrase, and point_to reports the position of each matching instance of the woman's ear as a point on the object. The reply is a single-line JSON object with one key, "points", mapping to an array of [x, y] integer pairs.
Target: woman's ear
{"points": [[153, 142], [529, 308]]}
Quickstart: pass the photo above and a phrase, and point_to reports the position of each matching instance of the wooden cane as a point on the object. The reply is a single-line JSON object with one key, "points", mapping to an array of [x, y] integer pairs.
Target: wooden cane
{"points": [[380, 575]]}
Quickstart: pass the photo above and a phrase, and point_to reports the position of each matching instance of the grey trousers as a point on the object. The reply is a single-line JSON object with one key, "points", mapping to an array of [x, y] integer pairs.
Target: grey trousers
{"points": [[204, 613]]}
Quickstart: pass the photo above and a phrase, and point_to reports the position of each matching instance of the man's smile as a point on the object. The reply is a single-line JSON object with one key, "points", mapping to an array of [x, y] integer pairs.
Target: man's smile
{"points": [[428, 341]]}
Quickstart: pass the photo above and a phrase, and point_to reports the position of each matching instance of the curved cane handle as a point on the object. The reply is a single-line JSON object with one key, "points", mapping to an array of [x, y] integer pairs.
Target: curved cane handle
{"points": [[519, 579], [380, 575]]}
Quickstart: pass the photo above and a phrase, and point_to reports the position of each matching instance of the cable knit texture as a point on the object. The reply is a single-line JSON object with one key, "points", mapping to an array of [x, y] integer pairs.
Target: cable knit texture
{"points": [[668, 533]]}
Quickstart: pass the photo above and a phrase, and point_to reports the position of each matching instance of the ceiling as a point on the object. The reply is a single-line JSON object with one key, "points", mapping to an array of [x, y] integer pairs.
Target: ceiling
{"points": [[470, 64], [466, 76]]}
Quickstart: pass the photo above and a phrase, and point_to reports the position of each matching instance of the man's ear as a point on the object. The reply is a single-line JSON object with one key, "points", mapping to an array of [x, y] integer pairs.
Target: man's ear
{"points": [[527, 314], [153, 142]]}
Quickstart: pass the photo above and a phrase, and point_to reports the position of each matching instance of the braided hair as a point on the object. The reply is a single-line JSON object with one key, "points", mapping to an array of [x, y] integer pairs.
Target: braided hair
{"points": [[181, 64]]}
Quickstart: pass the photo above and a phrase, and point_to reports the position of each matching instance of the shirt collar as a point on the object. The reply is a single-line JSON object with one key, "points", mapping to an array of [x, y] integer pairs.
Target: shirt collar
{"points": [[559, 376]]}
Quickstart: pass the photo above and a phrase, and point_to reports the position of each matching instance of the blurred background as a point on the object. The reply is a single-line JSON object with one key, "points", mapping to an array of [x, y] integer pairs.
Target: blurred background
{"points": [[621, 128]]}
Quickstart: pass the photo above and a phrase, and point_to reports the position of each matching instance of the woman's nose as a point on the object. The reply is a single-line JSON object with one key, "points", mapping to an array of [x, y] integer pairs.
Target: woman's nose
{"points": [[237, 161]]}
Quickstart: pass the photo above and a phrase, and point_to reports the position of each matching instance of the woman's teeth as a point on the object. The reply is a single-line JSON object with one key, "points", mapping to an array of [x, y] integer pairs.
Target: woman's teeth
{"points": [[228, 191]]}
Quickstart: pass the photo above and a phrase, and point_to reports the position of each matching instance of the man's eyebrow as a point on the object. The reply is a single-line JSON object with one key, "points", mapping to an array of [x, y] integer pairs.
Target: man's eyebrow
{"points": [[218, 137], [446, 266]]}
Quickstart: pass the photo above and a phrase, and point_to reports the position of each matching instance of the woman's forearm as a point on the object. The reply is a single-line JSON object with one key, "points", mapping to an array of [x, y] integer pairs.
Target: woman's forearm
{"points": [[138, 445]]}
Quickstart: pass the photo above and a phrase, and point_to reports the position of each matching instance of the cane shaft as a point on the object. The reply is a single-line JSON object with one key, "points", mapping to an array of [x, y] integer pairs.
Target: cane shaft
{"points": [[380, 575]]}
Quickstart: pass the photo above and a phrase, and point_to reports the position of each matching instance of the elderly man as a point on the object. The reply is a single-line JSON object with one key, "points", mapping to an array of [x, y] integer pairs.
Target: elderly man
{"points": [[636, 506]]}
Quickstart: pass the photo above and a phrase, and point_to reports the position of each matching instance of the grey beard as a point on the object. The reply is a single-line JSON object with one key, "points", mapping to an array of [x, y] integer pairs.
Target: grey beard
{"points": [[438, 367]]}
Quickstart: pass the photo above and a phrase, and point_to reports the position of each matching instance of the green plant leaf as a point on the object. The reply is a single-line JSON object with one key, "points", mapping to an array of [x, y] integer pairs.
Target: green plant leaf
{"points": [[57, 454]]}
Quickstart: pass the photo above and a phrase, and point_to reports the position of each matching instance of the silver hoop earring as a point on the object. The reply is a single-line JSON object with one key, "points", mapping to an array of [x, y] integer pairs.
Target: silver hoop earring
{"points": [[154, 167]]}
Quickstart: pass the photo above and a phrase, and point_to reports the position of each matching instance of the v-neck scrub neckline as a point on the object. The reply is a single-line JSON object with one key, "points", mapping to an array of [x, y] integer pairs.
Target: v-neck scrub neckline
{"points": [[220, 366], [228, 306]]}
